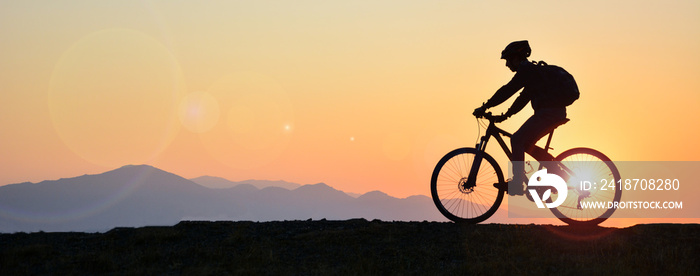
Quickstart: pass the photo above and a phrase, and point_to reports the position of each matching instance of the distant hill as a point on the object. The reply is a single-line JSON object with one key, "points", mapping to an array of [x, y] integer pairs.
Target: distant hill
{"points": [[135, 196], [223, 183]]}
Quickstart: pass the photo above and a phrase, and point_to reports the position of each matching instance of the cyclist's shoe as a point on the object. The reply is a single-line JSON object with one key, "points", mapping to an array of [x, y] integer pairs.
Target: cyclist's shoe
{"points": [[510, 187], [501, 186]]}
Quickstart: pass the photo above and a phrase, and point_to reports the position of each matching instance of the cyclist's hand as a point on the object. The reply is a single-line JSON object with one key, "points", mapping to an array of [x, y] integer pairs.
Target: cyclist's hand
{"points": [[479, 112], [499, 118]]}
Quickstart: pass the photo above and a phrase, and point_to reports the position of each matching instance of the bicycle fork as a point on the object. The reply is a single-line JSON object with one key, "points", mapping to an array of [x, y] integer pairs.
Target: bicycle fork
{"points": [[478, 157]]}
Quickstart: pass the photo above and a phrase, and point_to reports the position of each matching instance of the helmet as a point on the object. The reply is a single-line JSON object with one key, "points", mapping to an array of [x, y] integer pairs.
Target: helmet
{"points": [[516, 49]]}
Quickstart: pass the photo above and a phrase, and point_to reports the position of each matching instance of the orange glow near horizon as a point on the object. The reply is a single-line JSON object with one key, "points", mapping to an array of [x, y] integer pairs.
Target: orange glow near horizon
{"points": [[360, 95]]}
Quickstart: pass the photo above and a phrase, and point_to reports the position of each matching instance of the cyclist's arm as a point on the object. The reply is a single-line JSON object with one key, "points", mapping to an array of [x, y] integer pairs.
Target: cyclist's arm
{"points": [[507, 91], [519, 103]]}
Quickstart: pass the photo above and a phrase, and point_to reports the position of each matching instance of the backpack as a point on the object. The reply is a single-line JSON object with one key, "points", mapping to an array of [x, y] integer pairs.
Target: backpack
{"points": [[559, 86]]}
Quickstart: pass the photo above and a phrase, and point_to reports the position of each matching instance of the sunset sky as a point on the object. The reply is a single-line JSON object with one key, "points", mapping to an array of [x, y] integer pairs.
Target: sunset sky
{"points": [[361, 95]]}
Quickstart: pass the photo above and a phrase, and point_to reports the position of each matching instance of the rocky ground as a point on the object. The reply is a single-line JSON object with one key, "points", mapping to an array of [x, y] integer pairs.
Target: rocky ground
{"points": [[356, 247]]}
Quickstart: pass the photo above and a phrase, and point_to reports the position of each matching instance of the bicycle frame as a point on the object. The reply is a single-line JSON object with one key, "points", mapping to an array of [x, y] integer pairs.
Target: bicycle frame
{"points": [[493, 131], [497, 133]]}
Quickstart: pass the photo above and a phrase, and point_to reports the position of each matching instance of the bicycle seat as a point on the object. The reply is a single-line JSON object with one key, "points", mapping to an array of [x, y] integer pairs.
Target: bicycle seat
{"points": [[559, 123]]}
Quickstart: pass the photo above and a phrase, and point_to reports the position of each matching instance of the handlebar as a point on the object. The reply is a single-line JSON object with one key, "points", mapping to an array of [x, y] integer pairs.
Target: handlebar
{"points": [[493, 118], [487, 116]]}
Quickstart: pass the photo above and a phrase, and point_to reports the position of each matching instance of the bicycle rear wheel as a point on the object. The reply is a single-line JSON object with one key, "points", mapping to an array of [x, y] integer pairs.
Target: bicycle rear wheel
{"points": [[595, 166], [454, 198]]}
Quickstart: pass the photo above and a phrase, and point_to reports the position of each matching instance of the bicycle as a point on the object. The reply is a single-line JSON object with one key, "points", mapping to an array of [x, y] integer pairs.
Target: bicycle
{"points": [[466, 189]]}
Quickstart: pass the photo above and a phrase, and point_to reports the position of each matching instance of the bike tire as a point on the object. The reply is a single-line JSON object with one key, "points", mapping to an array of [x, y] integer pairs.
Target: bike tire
{"points": [[466, 205], [568, 212]]}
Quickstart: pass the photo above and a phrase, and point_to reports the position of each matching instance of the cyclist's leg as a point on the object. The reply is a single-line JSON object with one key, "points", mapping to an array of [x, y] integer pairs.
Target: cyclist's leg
{"points": [[540, 154], [524, 139]]}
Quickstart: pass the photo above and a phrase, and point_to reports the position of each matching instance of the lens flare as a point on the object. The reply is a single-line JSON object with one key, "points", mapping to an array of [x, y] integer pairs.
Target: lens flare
{"points": [[113, 97], [251, 133], [199, 112]]}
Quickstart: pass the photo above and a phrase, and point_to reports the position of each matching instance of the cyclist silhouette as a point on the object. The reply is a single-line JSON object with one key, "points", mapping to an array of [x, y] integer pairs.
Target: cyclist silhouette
{"points": [[548, 113]]}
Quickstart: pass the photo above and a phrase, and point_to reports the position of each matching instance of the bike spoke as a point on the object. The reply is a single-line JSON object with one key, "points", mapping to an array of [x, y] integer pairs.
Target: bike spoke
{"points": [[594, 165], [461, 198]]}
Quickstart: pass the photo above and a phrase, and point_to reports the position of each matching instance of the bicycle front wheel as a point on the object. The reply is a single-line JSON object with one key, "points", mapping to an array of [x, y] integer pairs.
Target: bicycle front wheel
{"points": [[592, 165], [459, 201]]}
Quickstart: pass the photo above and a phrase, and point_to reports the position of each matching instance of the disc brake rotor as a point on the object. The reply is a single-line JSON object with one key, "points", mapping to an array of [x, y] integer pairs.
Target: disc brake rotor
{"points": [[464, 187]]}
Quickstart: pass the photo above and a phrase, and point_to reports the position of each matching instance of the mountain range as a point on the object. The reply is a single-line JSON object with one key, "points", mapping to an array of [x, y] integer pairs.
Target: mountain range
{"points": [[223, 183], [142, 195]]}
